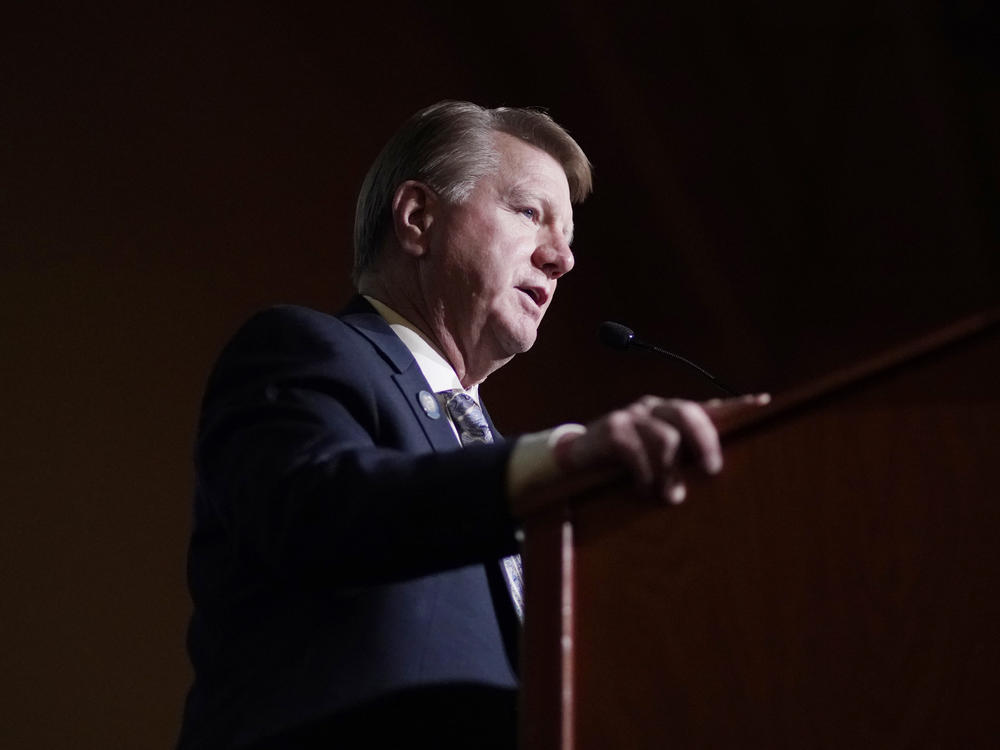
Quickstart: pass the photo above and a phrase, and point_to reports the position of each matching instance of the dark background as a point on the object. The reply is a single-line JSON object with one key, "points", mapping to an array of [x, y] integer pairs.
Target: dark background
{"points": [[780, 191]]}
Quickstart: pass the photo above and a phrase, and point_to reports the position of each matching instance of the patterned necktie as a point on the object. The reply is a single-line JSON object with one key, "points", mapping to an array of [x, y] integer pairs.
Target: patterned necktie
{"points": [[472, 428]]}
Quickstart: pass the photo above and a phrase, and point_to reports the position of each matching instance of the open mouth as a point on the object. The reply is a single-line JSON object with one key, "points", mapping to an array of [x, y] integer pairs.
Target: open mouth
{"points": [[537, 295]]}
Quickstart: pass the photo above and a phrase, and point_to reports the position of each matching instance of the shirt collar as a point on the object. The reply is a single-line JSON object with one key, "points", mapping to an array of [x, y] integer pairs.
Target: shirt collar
{"points": [[437, 371]]}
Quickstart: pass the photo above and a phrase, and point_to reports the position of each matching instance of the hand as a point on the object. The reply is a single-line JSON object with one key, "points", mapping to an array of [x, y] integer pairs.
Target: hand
{"points": [[648, 438]]}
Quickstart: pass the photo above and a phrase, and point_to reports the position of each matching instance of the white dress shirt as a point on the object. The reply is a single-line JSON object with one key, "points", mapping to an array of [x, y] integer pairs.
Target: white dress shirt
{"points": [[532, 461]]}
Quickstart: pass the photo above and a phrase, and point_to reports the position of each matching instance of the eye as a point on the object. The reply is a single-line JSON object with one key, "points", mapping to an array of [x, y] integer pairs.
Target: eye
{"points": [[530, 213]]}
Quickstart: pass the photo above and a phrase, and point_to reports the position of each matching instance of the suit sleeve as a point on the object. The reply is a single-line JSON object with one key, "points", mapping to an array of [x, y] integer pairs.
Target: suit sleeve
{"points": [[306, 464]]}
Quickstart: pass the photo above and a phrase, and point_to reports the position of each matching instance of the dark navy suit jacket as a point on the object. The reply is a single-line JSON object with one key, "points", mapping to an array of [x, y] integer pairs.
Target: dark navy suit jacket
{"points": [[339, 551]]}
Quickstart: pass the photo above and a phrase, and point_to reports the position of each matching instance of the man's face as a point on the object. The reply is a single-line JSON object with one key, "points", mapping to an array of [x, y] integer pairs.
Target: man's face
{"points": [[495, 257]]}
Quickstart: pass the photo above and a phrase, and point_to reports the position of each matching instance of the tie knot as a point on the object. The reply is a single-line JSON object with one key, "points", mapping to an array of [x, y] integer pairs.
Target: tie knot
{"points": [[468, 417]]}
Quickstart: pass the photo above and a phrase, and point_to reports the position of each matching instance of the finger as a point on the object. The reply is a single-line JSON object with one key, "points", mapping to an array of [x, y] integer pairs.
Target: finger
{"points": [[677, 493], [672, 488], [717, 407], [721, 412], [697, 431], [620, 441], [661, 441]]}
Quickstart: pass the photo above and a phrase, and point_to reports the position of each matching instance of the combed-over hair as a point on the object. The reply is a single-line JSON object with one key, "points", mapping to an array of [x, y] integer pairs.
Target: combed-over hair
{"points": [[448, 146]]}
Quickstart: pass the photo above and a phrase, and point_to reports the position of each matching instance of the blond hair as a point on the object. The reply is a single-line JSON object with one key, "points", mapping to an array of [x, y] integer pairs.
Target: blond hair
{"points": [[448, 146]]}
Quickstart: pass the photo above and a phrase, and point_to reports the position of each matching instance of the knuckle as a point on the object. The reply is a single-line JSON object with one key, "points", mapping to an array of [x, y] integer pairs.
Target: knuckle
{"points": [[671, 439], [690, 411], [649, 402], [638, 410], [619, 426], [618, 419]]}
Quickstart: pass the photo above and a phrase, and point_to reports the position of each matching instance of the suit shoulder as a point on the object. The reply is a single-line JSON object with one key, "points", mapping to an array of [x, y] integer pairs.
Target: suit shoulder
{"points": [[290, 318], [291, 346], [292, 328], [290, 341]]}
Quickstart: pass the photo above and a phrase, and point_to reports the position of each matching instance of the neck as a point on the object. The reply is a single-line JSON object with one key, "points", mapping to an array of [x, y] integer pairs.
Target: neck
{"points": [[430, 318]]}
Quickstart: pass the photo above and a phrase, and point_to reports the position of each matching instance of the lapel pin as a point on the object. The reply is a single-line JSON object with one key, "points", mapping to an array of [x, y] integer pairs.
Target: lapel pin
{"points": [[429, 403]]}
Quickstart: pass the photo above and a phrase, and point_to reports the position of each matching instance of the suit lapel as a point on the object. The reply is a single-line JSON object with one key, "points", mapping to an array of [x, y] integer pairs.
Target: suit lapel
{"points": [[411, 383], [362, 317]]}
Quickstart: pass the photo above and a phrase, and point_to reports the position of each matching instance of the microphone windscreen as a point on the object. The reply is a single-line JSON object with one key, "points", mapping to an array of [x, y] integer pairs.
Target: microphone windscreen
{"points": [[615, 335]]}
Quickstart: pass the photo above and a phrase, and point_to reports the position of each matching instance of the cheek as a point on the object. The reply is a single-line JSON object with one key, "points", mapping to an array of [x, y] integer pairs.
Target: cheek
{"points": [[491, 275]]}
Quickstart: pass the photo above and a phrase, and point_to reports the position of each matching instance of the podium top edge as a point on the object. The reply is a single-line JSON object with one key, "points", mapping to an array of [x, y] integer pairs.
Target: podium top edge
{"points": [[892, 358]]}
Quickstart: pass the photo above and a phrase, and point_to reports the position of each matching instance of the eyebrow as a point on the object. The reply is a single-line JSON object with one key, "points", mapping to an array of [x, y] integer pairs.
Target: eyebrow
{"points": [[518, 194]]}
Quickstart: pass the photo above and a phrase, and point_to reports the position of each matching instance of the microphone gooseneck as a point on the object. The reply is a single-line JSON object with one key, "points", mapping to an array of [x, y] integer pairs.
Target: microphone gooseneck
{"points": [[621, 337]]}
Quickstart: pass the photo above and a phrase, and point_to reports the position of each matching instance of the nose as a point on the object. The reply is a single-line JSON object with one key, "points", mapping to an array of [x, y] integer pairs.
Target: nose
{"points": [[554, 256]]}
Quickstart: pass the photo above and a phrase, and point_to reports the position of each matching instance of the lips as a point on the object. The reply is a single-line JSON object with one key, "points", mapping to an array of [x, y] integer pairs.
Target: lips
{"points": [[539, 295]]}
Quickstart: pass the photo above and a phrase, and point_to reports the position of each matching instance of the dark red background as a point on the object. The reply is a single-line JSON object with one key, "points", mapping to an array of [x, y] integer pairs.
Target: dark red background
{"points": [[779, 191]]}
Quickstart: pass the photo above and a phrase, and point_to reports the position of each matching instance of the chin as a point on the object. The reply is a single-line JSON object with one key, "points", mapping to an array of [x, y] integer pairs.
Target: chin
{"points": [[513, 330], [521, 341]]}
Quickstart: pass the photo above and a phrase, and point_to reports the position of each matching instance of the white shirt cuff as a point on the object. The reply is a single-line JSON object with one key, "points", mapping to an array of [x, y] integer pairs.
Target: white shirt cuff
{"points": [[532, 462]]}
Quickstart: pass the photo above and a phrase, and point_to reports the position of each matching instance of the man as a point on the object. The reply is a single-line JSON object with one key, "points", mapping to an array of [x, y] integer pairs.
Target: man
{"points": [[352, 566]]}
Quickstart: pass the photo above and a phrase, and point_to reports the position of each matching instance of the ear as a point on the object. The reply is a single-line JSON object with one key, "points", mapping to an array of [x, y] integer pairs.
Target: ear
{"points": [[413, 211]]}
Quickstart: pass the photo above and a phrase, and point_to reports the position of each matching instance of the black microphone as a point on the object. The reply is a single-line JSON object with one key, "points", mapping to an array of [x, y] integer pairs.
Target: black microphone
{"points": [[622, 337]]}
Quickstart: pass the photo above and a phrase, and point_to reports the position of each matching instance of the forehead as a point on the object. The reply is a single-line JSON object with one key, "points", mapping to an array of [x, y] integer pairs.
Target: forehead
{"points": [[524, 167]]}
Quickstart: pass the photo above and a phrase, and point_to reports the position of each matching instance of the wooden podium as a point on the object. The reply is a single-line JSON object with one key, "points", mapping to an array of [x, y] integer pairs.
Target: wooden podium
{"points": [[837, 586]]}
